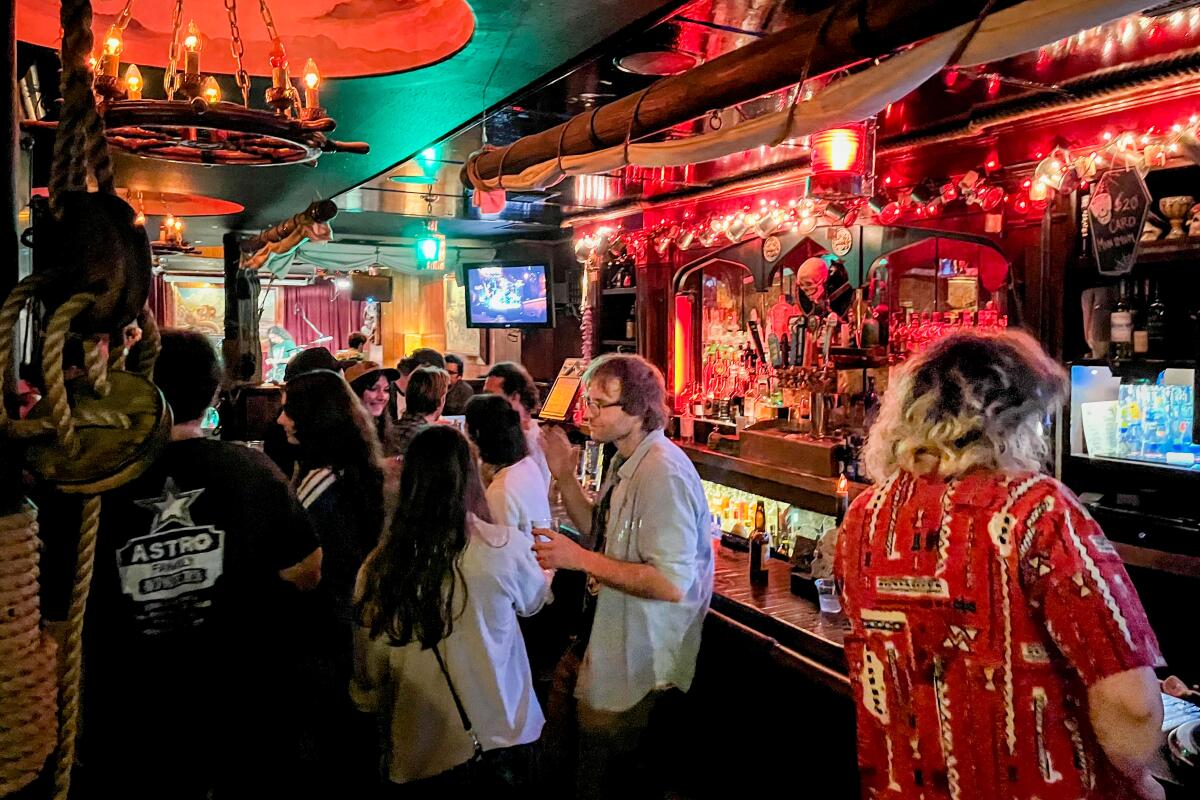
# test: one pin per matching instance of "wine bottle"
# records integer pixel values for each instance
(1121, 326)
(1156, 324)
(1141, 338)
(760, 547)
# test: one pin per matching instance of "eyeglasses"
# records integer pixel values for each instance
(595, 406)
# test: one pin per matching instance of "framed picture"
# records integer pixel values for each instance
(459, 338)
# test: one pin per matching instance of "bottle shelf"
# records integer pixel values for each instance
(619, 342)
(619, 290)
(1168, 251)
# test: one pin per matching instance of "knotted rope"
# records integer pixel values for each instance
(27, 657)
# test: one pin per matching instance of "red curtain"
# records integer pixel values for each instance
(162, 302)
(335, 316)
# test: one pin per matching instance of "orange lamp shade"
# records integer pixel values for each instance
(839, 150)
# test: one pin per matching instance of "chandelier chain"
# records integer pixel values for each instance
(171, 78)
(123, 18)
(238, 49)
(269, 21)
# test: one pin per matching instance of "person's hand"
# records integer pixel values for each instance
(561, 457)
(556, 551)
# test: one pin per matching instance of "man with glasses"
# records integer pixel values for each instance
(460, 391)
(649, 571)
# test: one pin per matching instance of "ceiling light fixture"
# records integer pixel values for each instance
(192, 124)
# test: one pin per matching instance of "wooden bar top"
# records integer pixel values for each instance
(793, 621)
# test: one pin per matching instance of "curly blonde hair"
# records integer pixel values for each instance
(971, 401)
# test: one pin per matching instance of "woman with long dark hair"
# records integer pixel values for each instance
(340, 480)
(437, 610)
(372, 383)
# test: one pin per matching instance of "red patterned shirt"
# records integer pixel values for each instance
(981, 609)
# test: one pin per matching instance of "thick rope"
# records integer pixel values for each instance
(52, 368)
(72, 660)
(96, 364)
(27, 658)
(10, 313)
(151, 344)
(80, 146)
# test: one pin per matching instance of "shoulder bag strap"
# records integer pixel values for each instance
(462, 712)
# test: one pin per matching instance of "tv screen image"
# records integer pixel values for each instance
(507, 296)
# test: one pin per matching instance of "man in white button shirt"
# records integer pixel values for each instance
(650, 569)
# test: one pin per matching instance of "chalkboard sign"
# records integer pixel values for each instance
(1117, 213)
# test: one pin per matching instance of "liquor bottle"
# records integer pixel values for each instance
(631, 326)
(1121, 326)
(1141, 339)
(1156, 324)
(760, 547)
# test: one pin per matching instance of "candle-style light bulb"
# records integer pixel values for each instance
(140, 219)
(110, 58)
(191, 47)
(312, 84)
(211, 91)
(279, 65)
(133, 83)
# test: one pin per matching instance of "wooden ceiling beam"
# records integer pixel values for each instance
(856, 31)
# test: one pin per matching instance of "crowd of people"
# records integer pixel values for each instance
(355, 610)
(369, 626)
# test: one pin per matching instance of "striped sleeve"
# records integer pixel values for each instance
(314, 485)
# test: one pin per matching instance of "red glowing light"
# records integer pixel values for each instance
(839, 150)
(950, 192)
(933, 208)
(278, 57)
(950, 77)
(1025, 184)
(992, 163)
(889, 213)
(991, 198)
(993, 85)
(888, 180)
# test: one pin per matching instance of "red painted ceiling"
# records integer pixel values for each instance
(346, 38)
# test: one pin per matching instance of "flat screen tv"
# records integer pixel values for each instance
(509, 296)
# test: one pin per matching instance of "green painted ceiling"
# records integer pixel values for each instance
(517, 43)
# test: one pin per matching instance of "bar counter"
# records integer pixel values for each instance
(815, 640)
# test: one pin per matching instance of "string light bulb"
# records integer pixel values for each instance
(312, 85)
(110, 59)
(192, 44)
(211, 91)
(133, 83)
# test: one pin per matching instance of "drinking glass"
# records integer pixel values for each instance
(827, 596)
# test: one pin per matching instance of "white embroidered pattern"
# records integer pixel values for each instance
(896, 503)
(942, 694)
(1101, 584)
(877, 503)
(943, 553)
(1001, 528)
(1045, 764)
(1044, 507)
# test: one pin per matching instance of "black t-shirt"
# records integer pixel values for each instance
(188, 617)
